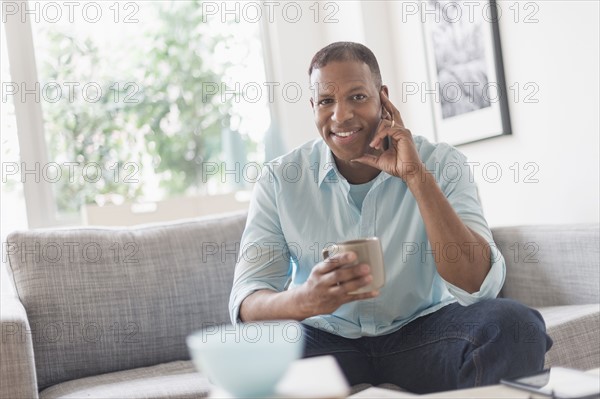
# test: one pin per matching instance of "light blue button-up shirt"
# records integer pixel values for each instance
(301, 204)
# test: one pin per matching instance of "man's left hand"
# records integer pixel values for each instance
(401, 158)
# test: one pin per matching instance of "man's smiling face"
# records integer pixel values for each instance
(347, 107)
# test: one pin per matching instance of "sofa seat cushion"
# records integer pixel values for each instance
(575, 330)
(168, 380)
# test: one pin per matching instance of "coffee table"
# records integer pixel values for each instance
(321, 377)
(488, 392)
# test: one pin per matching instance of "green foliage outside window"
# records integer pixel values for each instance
(153, 124)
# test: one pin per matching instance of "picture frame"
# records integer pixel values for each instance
(465, 69)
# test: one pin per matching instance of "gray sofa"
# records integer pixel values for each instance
(104, 312)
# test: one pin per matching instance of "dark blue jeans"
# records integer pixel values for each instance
(454, 347)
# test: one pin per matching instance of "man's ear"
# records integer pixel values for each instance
(384, 112)
(384, 88)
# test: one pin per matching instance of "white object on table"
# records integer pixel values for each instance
(486, 392)
(375, 392)
(315, 377)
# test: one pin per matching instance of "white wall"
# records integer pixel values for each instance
(558, 135)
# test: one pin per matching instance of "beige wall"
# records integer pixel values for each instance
(558, 135)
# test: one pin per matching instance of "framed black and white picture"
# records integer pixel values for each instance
(464, 61)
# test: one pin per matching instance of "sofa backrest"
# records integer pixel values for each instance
(101, 300)
(551, 265)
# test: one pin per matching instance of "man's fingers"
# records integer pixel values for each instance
(386, 114)
(391, 109)
(356, 283)
(381, 133)
(395, 134)
(335, 261)
(366, 295)
(358, 297)
(367, 159)
(348, 279)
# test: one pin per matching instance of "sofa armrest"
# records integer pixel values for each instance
(551, 265)
(17, 365)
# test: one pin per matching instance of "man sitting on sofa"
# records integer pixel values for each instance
(435, 325)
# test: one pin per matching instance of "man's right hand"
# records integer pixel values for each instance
(320, 294)
(330, 283)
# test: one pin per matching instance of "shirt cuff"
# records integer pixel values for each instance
(238, 297)
(490, 288)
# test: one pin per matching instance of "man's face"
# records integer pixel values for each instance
(346, 106)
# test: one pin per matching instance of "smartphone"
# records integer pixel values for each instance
(386, 143)
(387, 140)
(559, 382)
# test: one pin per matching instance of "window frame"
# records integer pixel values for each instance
(39, 200)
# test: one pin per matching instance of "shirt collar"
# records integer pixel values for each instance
(327, 165)
(328, 168)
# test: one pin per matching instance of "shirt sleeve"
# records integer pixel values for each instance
(264, 260)
(458, 184)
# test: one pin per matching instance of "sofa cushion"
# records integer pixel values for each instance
(551, 265)
(169, 380)
(575, 331)
(100, 300)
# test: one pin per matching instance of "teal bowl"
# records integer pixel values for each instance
(247, 359)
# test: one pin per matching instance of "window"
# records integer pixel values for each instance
(142, 101)
(13, 216)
